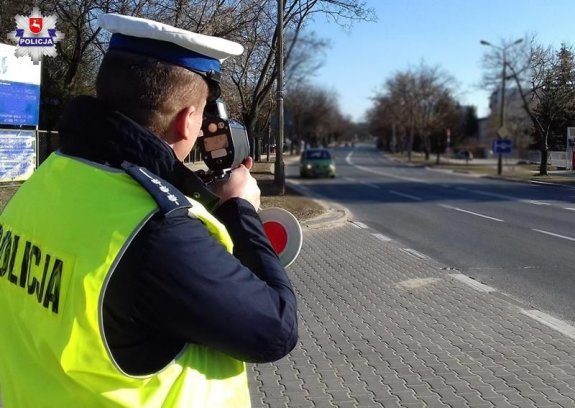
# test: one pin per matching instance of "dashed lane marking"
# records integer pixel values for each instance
(494, 195)
(554, 235)
(506, 197)
(411, 197)
(470, 212)
(370, 185)
(535, 202)
(383, 173)
(360, 224)
(354, 181)
(485, 193)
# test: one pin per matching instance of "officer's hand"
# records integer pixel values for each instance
(240, 184)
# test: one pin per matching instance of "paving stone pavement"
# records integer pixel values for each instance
(382, 327)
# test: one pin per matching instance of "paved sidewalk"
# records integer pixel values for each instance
(382, 326)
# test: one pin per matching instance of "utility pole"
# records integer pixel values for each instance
(279, 166)
(502, 113)
(503, 51)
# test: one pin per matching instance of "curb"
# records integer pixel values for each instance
(335, 214)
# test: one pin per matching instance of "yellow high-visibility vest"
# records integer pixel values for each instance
(61, 236)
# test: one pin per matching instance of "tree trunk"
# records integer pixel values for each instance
(409, 145)
(544, 156)
(427, 146)
(249, 123)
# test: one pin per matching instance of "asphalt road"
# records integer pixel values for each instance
(516, 237)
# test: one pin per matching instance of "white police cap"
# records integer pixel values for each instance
(197, 52)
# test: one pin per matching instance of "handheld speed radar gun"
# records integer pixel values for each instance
(224, 145)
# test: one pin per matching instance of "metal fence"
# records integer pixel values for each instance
(561, 160)
(46, 142)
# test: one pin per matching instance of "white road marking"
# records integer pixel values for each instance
(383, 173)
(569, 208)
(382, 237)
(470, 212)
(351, 180)
(506, 197)
(553, 234)
(472, 282)
(415, 180)
(494, 195)
(411, 197)
(535, 202)
(552, 322)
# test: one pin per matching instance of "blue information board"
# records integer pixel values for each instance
(19, 103)
(502, 146)
(17, 154)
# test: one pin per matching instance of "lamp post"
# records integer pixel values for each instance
(503, 51)
(279, 166)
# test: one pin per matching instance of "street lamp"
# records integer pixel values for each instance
(503, 51)
(279, 166)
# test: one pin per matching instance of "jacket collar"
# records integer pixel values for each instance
(90, 130)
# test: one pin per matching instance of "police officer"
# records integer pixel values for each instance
(124, 281)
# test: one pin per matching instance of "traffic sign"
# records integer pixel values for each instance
(502, 146)
(502, 132)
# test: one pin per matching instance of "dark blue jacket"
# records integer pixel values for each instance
(176, 284)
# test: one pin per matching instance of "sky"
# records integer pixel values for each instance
(440, 33)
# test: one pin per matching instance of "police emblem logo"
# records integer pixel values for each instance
(35, 36)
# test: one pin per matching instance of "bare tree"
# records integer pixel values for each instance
(433, 101)
(251, 22)
(254, 74)
(385, 119)
(545, 79)
(11, 8)
(315, 114)
(75, 56)
(401, 91)
(305, 60)
(419, 100)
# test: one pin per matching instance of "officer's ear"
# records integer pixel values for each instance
(185, 123)
(176, 130)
